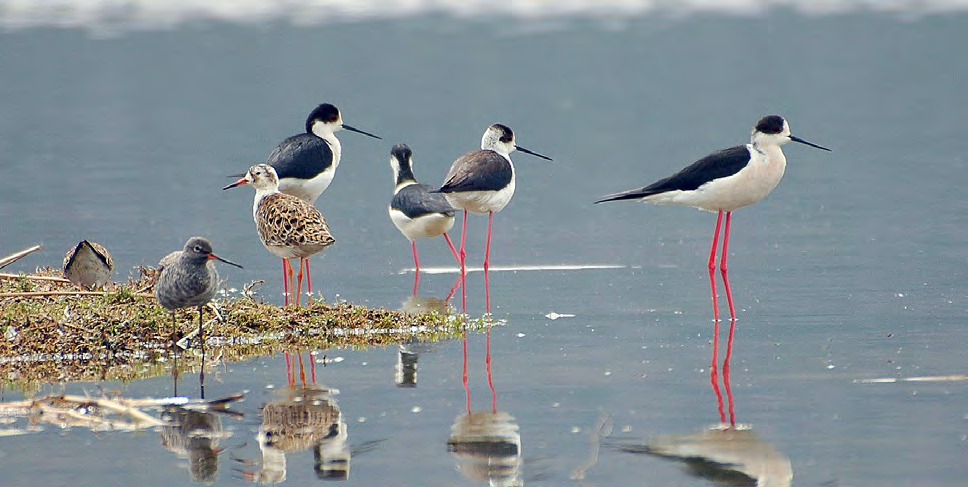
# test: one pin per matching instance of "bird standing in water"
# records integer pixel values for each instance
(723, 182)
(482, 181)
(415, 209)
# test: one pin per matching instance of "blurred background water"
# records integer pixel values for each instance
(119, 122)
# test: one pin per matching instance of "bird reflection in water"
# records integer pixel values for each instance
(194, 435)
(487, 443)
(306, 417)
(726, 454)
(722, 455)
(405, 370)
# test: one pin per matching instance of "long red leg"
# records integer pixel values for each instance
(299, 278)
(452, 249)
(722, 270)
(309, 281)
(732, 321)
(285, 280)
(713, 374)
(487, 254)
(463, 266)
(416, 265)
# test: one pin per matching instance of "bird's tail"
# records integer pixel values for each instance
(634, 194)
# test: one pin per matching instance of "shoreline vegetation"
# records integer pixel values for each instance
(53, 331)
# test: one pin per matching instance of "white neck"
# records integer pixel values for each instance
(772, 153)
(330, 137)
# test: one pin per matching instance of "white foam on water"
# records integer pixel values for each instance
(112, 16)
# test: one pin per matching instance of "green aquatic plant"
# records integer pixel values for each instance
(56, 332)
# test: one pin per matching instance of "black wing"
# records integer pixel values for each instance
(301, 156)
(480, 170)
(417, 200)
(717, 165)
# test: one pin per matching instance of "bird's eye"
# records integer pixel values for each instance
(198, 249)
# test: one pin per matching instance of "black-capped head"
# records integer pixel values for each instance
(770, 124)
(402, 152)
(506, 134)
(774, 130)
(325, 113)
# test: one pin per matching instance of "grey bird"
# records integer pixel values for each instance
(188, 278)
(88, 264)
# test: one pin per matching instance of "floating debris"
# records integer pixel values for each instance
(930, 378)
(554, 316)
(99, 413)
(14, 257)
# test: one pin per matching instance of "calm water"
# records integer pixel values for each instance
(854, 268)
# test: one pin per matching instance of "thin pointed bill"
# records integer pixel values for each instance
(526, 151)
(811, 144)
(240, 182)
(354, 129)
(215, 257)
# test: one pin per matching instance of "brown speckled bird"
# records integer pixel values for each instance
(288, 226)
(88, 264)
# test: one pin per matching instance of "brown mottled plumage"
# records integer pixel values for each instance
(288, 226)
(88, 264)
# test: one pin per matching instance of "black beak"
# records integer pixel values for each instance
(811, 144)
(215, 257)
(526, 151)
(354, 129)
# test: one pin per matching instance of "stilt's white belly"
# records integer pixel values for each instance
(429, 225)
(482, 202)
(308, 189)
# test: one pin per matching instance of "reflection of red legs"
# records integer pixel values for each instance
(713, 374)
(291, 369)
(302, 370)
(726, 384)
(312, 367)
(467, 389)
(416, 266)
(290, 374)
(463, 265)
(490, 383)
(487, 255)
(453, 289)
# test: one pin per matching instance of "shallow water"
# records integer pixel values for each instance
(852, 269)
